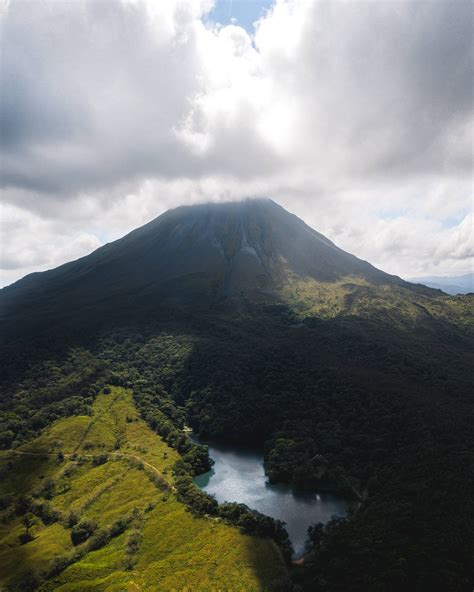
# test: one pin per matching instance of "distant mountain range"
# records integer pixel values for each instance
(461, 284)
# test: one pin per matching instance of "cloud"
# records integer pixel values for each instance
(355, 115)
(30, 243)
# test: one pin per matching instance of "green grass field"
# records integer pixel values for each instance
(352, 296)
(175, 550)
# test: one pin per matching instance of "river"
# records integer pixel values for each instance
(238, 476)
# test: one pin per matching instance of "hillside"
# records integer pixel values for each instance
(76, 472)
(245, 324)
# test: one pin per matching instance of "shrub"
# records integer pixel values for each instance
(30, 581)
(72, 519)
(5, 501)
(25, 537)
(46, 512)
(199, 502)
(58, 564)
(133, 544)
(82, 531)
(23, 504)
(100, 460)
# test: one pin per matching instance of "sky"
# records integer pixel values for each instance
(354, 115)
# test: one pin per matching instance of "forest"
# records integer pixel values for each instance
(378, 412)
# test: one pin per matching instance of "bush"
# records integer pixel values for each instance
(5, 501)
(25, 537)
(99, 540)
(30, 581)
(82, 531)
(58, 564)
(199, 502)
(48, 489)
(72, 519)
(46, 512)
(100, 460)
(252, 522)
(23, 504)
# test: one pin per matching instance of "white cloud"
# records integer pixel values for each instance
(30, 243)
(354, 115)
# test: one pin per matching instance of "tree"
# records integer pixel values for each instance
(29, 520)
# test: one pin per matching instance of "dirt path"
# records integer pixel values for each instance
(116, 455)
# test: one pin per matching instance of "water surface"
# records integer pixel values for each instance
(238, 476)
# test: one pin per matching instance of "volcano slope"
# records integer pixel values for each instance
(248, 325)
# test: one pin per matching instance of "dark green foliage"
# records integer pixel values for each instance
(58, 564)
(348, 405)
(81, 531)
(6, 501)
(100, 459)
(197, 457)
(48, 489)
(23, 504)
(28, 521)
(30, 581)
(49, 390)
(413, 533)
(252, 522)
(133, 544)
(45, 511)
(199, 502)
(72, 519)
(372, 408)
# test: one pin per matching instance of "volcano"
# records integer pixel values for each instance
(189, 256)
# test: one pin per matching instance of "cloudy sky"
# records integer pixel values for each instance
(356, 116)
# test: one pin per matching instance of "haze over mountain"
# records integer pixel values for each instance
(462, 284)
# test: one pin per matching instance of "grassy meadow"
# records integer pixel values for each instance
(111, 470)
